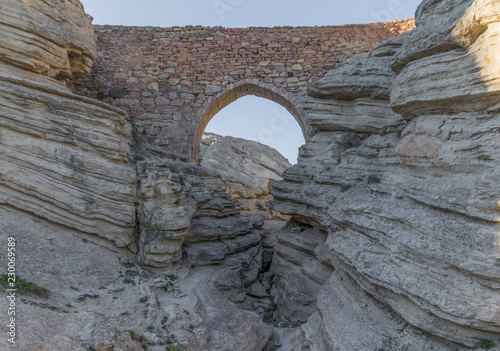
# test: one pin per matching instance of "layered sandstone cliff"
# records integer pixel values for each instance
(394, 241)
(402, 176)
(65, 158)
(215, 210)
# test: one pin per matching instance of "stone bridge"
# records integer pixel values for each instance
(172, 81)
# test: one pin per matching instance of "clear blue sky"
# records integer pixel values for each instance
(249, 117)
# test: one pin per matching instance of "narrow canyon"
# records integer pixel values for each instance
(136, 230)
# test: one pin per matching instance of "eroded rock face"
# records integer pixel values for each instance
(408, 199)
(100, 300)
(215, 210)
(64, 158)
(249, 168)
(52, 38)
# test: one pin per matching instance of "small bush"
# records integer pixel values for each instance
(23, 286)
(134, 336)
(174, 348)
(87, 296)
(100, 95)
(373, 179)
(486, 344)
(171, 277)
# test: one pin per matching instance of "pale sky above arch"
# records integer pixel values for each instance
(249, 117)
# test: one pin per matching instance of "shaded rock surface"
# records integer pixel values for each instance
(408, 199)
(215, 210)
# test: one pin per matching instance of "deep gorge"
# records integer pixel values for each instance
(149, 235)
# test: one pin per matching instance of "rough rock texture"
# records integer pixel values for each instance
(215, 209)
(409, 199)
(64, 158)
(51, 37)
(299, 272)
(248, 168)
(99, 301)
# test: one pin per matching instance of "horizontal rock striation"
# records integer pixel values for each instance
(215, 210)
(64, 158)
(53, 38)
(408, 198)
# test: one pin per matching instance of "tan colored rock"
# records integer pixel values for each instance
(51, 38)
(249, 168)
(66, 159)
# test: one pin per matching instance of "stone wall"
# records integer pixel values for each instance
(172, 81)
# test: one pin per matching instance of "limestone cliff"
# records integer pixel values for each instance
(64, 158)
(52, 38)
(394, 237)
(402, 177)
(215, 209)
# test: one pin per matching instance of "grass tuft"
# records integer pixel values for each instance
(23, 286)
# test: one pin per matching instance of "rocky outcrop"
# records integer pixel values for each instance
(51, 38)
(298, 270)
(98, 300)
(248, 168)
(65, 158)
(212, 211)
(408, 198)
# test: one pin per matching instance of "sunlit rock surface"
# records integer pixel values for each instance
(64, 158)
(409, 200)
(51, 38)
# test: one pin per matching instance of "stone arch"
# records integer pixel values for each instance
(249, 87)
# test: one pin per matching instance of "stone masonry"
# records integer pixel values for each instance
(172, 81)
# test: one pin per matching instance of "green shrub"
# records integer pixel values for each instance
(486, 344)
(23, 286)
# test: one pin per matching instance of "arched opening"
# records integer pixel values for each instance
(244, 88)
(261, 120)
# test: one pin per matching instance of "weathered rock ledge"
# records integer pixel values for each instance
(402, 175)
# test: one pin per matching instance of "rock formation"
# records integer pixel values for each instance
(402, 175)
(214, 210)
(65, 158)
(392, 240)
(51, 38)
